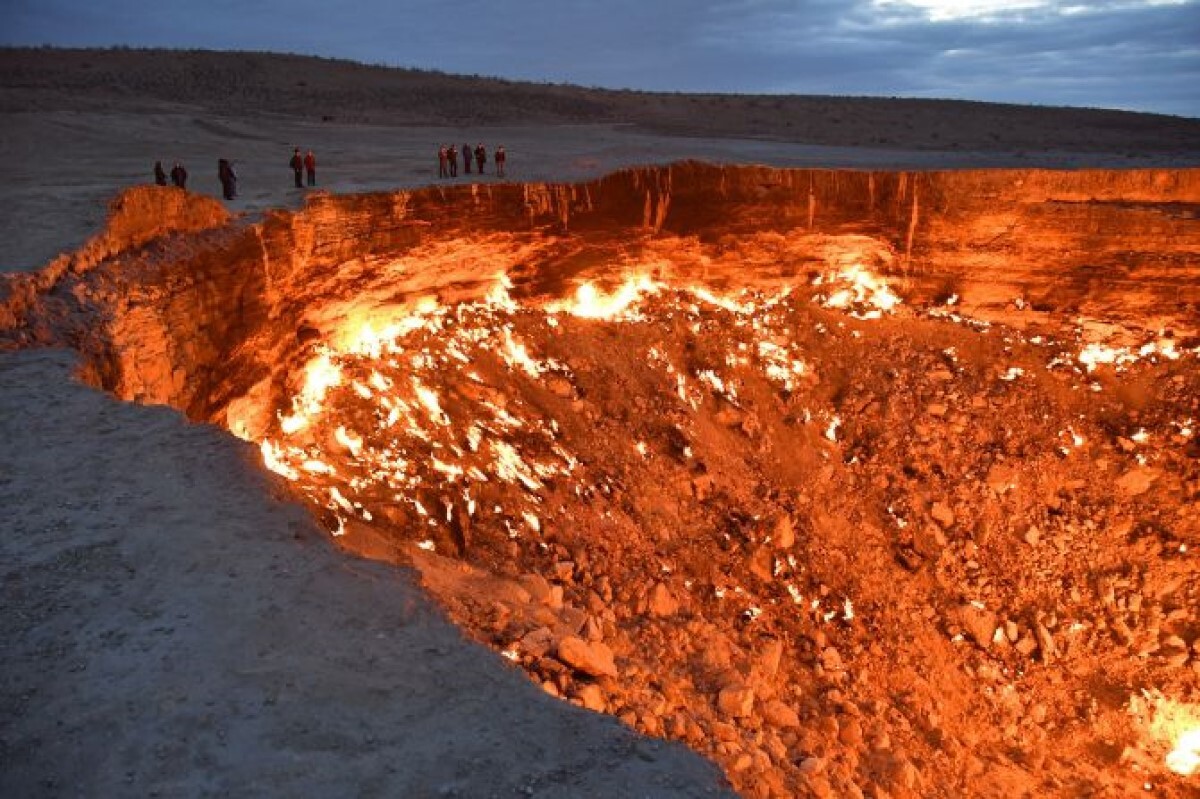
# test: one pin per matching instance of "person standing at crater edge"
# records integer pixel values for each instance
(466, 154)
(501, 159)
(480, 156)
(179, 175)
(160, 174)
(452, 160)
(228, 178)
(297, 165)
(310, 167)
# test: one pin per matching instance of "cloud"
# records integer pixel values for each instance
(1136, 54)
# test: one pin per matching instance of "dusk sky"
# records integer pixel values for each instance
(1140, 55)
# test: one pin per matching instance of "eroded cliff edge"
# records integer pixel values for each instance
(177, 303)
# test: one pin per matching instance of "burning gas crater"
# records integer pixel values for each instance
(465, 430)
(414, 421)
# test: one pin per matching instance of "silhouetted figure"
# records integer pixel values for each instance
(160, 174)
(228, 177)
(501, 157)
(443, 167)
(466, 154)
(310, 166)
(452, 160)
(179, 176)
(297, 165)
(480, 156)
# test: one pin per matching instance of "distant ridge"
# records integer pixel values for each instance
(241, 83)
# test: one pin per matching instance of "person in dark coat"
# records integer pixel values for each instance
(480, 156)
(501, 157)
(452, 160)
(228, 178)
(179, 176)
(160, 174)
(466, 154)
(310, 166)
(297, 165)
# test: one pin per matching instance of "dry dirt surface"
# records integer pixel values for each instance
(838, 546)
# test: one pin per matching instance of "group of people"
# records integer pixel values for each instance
(448, 159)
(302, 164)
(304, 167)
(179, 175)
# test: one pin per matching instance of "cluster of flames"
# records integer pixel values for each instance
(1171, 726)
(370, 429)
(415, 417)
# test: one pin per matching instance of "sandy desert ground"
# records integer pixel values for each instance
(173, 625)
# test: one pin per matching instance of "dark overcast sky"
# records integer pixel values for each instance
(1135, 54)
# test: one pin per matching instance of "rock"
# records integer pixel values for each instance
(762, 564)
(723, 731)
(831, 660)
(537, 586)
(592, 630)
(942, 514)
(772, 656)
(1045, 643)
(662, 602)
(936, 409)
(591, 697)
(783, 535)
(818, 786)
(595, 659)
(929, 540)
(560, 387)
(736, 701)
(812, 765)
(851, 733)
(780, 714)
(1001, 478)
(1033, 536)
(538, 642)
(1121, 631)
(979, 624)
(1137, 481)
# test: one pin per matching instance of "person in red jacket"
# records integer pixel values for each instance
(310, 166)
(443, 167)
(501, 157)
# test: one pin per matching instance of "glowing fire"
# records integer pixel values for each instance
(415, 406)
(590, 303)
(1170, 726)
(1185, 757)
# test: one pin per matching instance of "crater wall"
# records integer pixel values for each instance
(176, 302)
